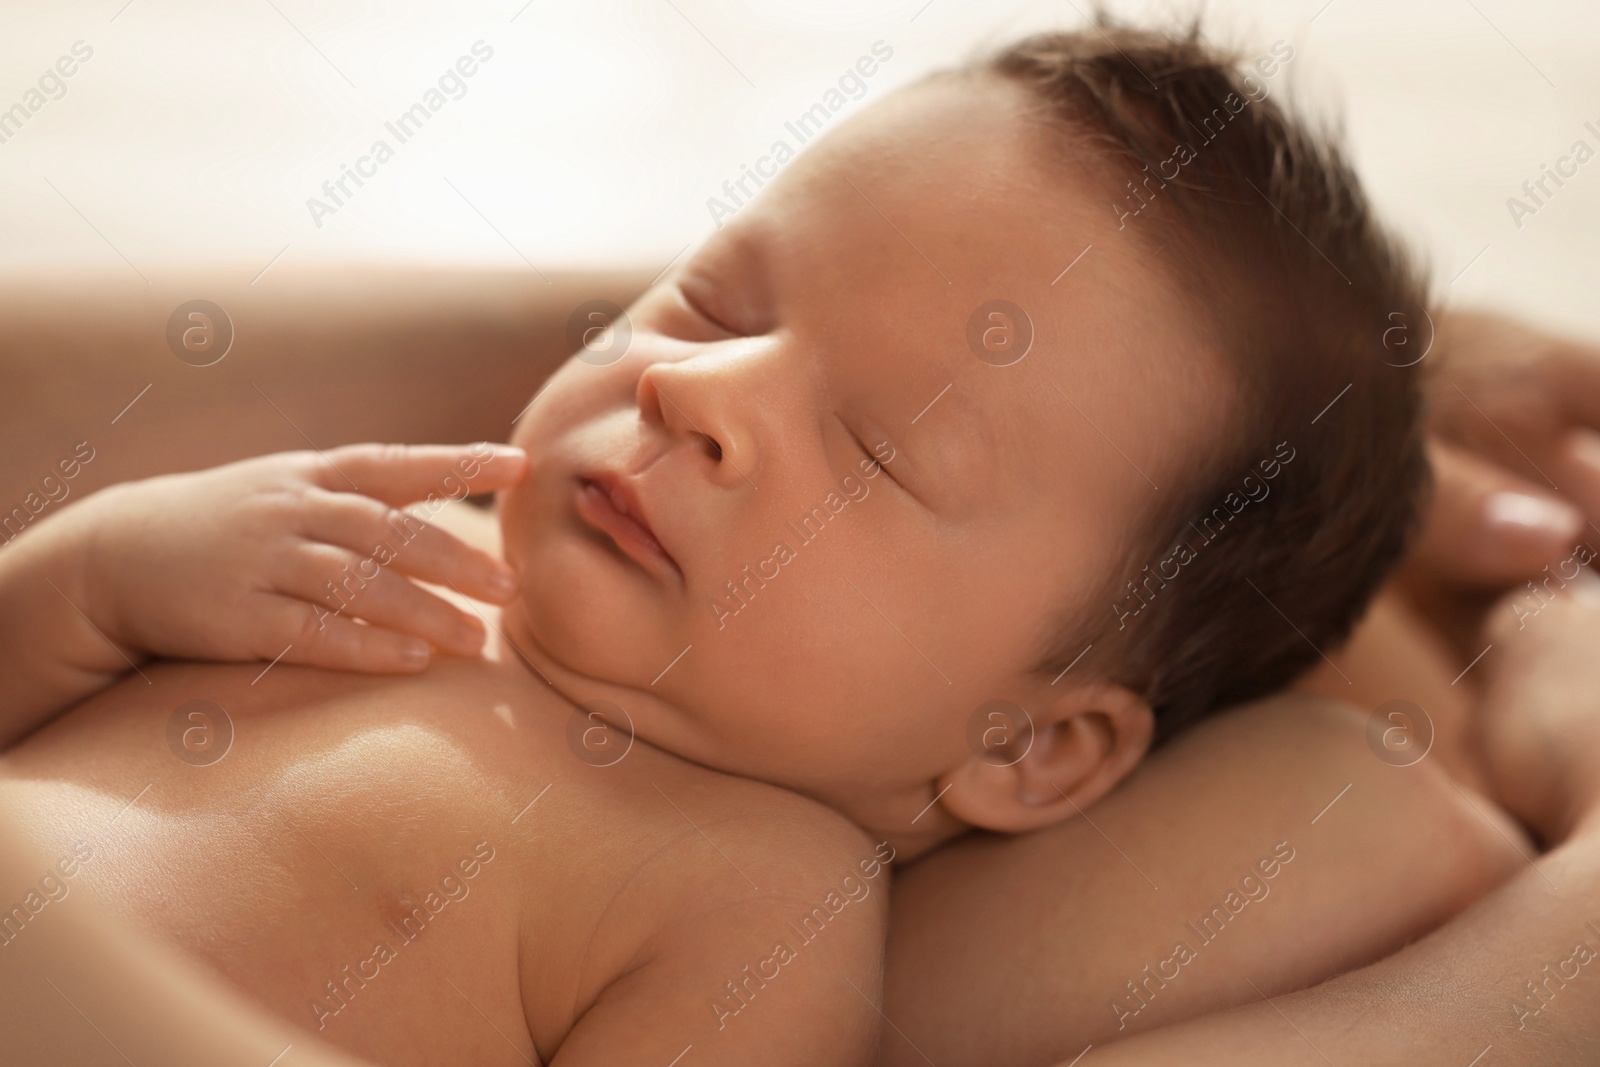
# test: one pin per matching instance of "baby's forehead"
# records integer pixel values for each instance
(924, 243)
(970, 140)
(953, 186)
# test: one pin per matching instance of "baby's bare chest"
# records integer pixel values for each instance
(412, 869)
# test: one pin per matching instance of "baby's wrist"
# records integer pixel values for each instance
(84, 575)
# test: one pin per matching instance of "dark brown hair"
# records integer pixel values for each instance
(1262, 226)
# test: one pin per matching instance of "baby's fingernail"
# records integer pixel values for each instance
(414, 654)
(1513, 510)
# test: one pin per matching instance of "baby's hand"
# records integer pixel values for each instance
(299, 555)
(1540, 713)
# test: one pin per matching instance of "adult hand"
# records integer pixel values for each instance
(1513, 416)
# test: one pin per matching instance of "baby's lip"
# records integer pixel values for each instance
(611, 505)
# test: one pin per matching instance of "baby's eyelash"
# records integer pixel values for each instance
(699, 309)
(876, 462)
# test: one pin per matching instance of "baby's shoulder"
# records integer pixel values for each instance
(750, 911)
(732, 837)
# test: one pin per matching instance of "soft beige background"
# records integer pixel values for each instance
(595, 135)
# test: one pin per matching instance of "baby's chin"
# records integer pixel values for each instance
(614, 706)
(567, 633)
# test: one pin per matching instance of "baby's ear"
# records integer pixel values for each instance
(1081, 742)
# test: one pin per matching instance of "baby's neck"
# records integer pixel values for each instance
(911, 836)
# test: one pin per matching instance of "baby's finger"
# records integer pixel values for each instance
(338, 585)
(401, 474)
(389, 537)
(338, 643)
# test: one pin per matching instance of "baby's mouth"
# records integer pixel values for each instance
(611, 506)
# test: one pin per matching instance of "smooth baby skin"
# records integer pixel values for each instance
(861, 532)
(529, 902)
(363, 848)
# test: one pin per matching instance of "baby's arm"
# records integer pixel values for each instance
(272, 557)
(764, 949)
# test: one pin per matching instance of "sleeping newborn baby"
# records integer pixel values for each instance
(936, 487)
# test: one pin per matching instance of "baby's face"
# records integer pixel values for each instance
(800, 531)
